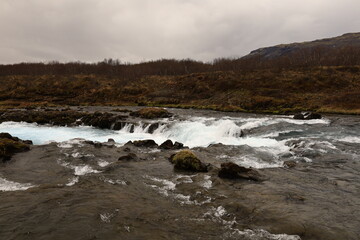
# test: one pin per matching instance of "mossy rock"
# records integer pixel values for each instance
(187, 160)
(150, 113)
(9, 147)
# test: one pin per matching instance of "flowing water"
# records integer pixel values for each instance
(65, 187)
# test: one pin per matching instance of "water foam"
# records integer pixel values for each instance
(6, 185)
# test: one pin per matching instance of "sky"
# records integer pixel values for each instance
(142, 30)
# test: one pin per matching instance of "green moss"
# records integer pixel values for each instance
(9, 147)
(187, 160)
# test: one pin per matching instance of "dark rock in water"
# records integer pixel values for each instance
(121, 124)
(62, 118)
(168, 144)
(89, 142)
(145, 143)
(233, 171)
(10, 145)
(307, 116)
(289, 164)
(299, 116)
(153, 127)
(187, 160)
(128, 157)
(110, 140)
(129, 143)
(98, 144)
(7, 135)
(313, 116)
(151, 113)
(178, 145)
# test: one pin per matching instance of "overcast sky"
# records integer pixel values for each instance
(139, 30)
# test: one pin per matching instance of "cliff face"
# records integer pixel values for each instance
(346, 40)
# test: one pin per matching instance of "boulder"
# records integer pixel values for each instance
(168, 144)
(187, 160)
(150, 113)
(178, 145)
(231, 170)
(299, 116)
(313, 116)
(144, 143)
(10, 145)
(307, 116)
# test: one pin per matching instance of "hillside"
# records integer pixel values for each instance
(282, 50)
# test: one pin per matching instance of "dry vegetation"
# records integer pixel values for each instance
(318, 79)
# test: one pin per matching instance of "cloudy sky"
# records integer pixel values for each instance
(139, 30)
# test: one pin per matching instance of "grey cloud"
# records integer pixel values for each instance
(137, 30)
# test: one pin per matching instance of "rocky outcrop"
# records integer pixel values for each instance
(151, 113)
(187, 160)
(307, 116)
(168, 144)
(10, 145)
(63, 118)
(231, 170)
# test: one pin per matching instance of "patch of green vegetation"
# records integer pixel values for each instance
(187, 160)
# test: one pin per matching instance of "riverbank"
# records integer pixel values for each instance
(331, 89)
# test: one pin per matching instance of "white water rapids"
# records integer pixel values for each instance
(194, 132)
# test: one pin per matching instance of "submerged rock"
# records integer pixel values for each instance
(187, 160)
(128, 157)
(10, 145)
(151, 113)
(233, 171)
(289, 164)
(307, 116)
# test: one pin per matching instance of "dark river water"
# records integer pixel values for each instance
(65, 188)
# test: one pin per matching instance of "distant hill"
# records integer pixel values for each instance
(282, 50)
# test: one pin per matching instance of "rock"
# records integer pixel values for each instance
(151, 113)
(10, 145)
(298, 116)
(233, 171)
(110, 140)
(168, 144)
(153, 127)
(313, 116)
(89, 142)
(307, 116)
(63, 118)
(289, 164)
(128, 157)
(145, 143)
(178, 145)
(187, 160)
